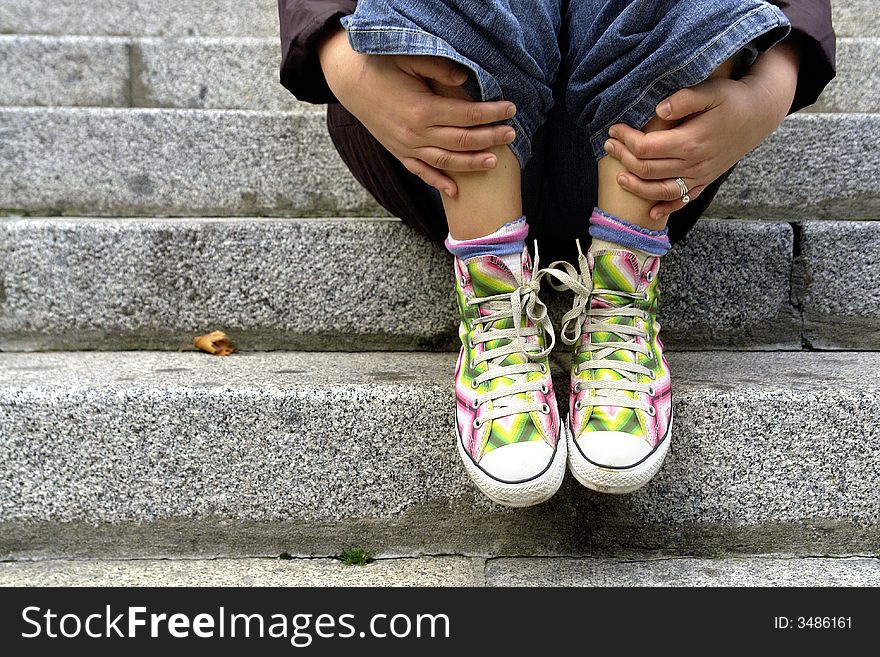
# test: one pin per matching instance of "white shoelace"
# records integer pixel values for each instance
(583, 318)
(523, 300)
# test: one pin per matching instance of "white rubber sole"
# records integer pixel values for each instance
(528, 493)
(615, 481)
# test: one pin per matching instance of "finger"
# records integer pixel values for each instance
(466, 113)
(646, 169)
(652, 190)
(685, 102)
(430, 175)
(665, 208)
(470, 139)
(445, 71)
(650, 145)
(452, 161)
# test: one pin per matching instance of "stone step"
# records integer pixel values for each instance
(199, 73)
(853, 18)
(174, 18)
(841, 305)
(257, 18)
(424, 571)
(113, 162)
(173, 162)
(75, 283)
(236, 73)
(684, 570)
(144, 454)
(857, 85)
(77, 71)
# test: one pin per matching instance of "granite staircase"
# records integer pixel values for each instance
(157, 183)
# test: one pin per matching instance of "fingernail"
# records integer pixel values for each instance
(609, 147)
(511, 111)
(613, 133)
(509, 136)
(489, 162)
(449, 191)
(622, 180)
(664, 109)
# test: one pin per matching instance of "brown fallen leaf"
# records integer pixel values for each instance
(216, 344)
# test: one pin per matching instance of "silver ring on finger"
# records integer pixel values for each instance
(684, 191)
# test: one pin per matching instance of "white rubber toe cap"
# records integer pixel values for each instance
(613, 449)
(518, 461)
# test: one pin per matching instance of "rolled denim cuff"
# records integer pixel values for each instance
(760, 28)
(370, 39)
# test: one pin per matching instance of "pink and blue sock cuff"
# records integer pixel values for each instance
(607, 227)
(510, 238)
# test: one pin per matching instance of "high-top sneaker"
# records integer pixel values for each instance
(507, 422)
(620, 413)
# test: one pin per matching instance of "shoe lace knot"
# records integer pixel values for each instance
(596, 313)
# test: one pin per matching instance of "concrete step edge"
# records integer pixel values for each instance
(770, 285)
(679, 570)
(299, 284)
(228, 72)
(111, 162)
(186, 454)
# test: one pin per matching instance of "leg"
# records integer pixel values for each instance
(507, 421)
(486, 200)
(619, 202)
(511, 50)
(635, 55)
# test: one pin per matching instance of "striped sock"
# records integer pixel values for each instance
(609, 228)
(506, 243)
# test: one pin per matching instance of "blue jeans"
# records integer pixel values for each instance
(618, 58)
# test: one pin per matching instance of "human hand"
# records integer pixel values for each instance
(722, 121)
(428, 133)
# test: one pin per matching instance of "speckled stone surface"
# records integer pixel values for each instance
(856, 18)
(300, 284)
(789, 177)
(268, 283)
(173, 162)
(424, 571)
(839, 284)
(760, 440)
(203, 163)
(258, 18)
(242, 73)
(857, 85)
(64, 71)
(685, 571)
(218, 73)
(163, 72)
(753, 570)
(728, 284)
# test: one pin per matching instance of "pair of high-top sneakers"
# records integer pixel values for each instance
(508, 428)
